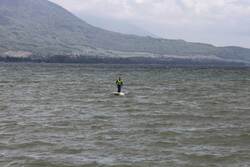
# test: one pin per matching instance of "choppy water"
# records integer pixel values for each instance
(54, 115)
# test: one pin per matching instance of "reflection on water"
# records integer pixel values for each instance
(65, 115)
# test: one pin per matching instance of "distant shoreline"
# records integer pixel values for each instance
(166, 62)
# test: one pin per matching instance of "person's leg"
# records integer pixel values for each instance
(119, 88)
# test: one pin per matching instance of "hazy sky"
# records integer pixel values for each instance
(219, 22)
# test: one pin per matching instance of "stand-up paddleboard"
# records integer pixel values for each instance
(119, 94)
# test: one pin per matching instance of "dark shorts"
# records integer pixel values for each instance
(119, 87)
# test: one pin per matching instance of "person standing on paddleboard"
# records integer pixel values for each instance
(119, 84)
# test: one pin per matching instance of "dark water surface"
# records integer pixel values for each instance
(56, 115)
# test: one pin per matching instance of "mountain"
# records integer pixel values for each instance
(115, 25)
(40, 30)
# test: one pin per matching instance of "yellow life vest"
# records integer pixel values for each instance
(119, 82)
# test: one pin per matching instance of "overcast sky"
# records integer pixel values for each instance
(219, 22)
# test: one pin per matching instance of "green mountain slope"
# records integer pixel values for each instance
(46, 29)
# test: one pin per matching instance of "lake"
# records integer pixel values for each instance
(63, 115)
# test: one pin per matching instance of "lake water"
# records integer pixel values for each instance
(58, 115)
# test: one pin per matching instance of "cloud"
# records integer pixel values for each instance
(167, 9)
(195, 17)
